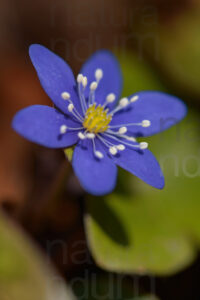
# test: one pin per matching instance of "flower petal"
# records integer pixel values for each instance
(112, 77)
(41, 124)
(161, 109)
(55, 76)
(142, 164)
(97, 176)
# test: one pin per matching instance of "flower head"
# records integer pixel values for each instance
(90, 114)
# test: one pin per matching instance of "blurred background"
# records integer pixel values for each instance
(143, 244)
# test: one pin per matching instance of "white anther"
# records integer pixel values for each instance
(63, 129)
(123, 102)
(110, 98)
(134, 98)
(143, 145)
(65, 95)
(84, 81)
(98, 74)
(146, 123)
(70, 107)
(122, 130)
(113, 150)
(93, 86)
(90, 135)
(120, 147)
(81, 135)
(98, 154)
(79, 78)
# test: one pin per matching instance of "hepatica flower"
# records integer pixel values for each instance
(90, 114)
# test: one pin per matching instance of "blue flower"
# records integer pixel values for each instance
(88, 114)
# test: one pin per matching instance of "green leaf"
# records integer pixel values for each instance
(179, 52)
(69, 153)
(146, 230)
(24, 274)
(138, 75)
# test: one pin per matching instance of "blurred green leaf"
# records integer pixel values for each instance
(24, 274)
(138, 75)
(69, 153)
(147, 230)
(179, 51)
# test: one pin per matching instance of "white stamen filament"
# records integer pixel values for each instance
(93, 87)
(81, 82)
(144, 123)
(64, 128)
(119, 140)
(97, 153)
(74, 112)
(66, 96)
(124, 102)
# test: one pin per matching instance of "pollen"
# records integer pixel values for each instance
(96, 119)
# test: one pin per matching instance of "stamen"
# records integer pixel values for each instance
(113, 150)
(122, 130)
(75, 112)
(146, 123)
(108, 144)
(81, 135)
(143, 145)
(84, 81)
(109, 99)
(98, 154)
(98, 74)
(119, 140)
(70, 107)
(121, 147)
(123, 102)
(90, 135)
(134, 99)
(80, 78)
(65, 95)
(63, 129)
(93, 87)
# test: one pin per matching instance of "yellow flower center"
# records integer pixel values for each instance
(96, 119)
